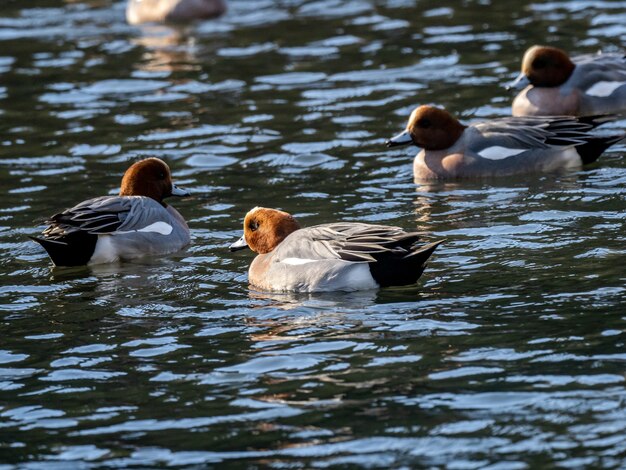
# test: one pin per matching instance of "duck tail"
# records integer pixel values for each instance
(392, 271)
(424, 252)
(76, 251)
(594, 146)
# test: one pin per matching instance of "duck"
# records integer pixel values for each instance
(556, 84)
(172, 11)
(499, 147)
(134, 224)
(340, 256)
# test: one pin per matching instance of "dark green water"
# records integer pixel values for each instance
(510, 352)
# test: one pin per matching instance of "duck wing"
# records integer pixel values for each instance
(349, 241)
(105, 215)
(531, 132)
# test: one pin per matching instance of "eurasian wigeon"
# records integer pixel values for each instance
(111, 228)
(499, 147)
(175, 11)
(342, 256)
(581, 86)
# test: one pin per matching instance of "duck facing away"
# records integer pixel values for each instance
(580, 86)
(500, 147)
(111, 228)
(173, 11)
(342, 256)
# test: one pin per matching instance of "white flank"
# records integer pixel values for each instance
(602, 89)
(499, 153)
(359, 278)
(297, 261)
(104, 251)
(158, 227)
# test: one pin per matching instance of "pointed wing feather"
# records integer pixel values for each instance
(355, 242)
(105, 215)
(539, 132)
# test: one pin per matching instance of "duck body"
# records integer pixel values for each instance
(172, 11)
(342, 256)
(581, 86)
(500, 147)
(113, 228)
(134, 224)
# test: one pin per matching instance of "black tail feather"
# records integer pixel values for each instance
(74, 249)
(391, 269)
(591, 150)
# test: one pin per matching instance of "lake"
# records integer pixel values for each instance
(508, 354)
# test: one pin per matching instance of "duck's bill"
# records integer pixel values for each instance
(403, 138)
(239, 244)
(519, 83)
(179, 192)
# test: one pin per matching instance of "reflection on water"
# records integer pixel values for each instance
(509, 352)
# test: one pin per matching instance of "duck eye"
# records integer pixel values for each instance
(539, 63)
(424, 122)
(161, 175)
(254, 225)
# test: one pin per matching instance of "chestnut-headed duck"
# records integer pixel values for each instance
(499, 147)
(581, 86)
(112, 228)
(174, 11)
(342, 256)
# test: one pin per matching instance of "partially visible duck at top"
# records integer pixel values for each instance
(134, 224)
(340, 256)
(499, 147)
(173, 11)
(580, 86)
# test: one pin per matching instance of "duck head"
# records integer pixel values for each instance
(430, 128)
(151, 178)
(264, 229)
(544, 66)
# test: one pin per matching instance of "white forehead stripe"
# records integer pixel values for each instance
(297, 261)
(499, 153)
(602, 89)
(158, 227)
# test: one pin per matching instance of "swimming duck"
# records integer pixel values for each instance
(111, 228)
(176, 11)
(499, 147)
(581, 86)
(340, 256)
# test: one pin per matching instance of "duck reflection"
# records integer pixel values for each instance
(461, 202)
(146, 284)
(166, 49)
(317, 301)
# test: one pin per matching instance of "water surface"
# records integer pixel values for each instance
(509, 353)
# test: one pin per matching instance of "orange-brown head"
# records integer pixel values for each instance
(546, 66)
(430, 128)
(264, 229)
(152, 178)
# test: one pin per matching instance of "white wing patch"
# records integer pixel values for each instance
(499, 153)
(297, 261)
(603, 89)
(158, 227)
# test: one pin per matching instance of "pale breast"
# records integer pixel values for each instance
(540, 101)
(438, 164)
(258, 271)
